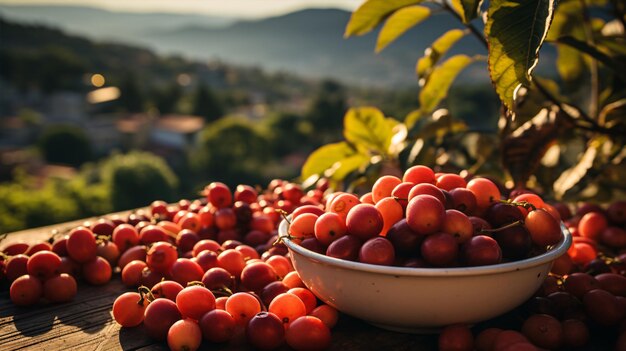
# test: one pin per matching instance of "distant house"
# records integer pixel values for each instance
(168, 136)
(176, 131)
(134, 130)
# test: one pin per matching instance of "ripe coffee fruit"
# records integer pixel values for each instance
(364, 221)
(425, 214)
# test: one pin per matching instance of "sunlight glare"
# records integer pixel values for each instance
(97, 80)
(103, 95)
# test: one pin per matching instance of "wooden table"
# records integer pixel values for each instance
(86, 323)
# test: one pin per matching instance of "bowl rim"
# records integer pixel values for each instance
(552, 254)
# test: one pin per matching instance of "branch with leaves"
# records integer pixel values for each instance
(591, 54)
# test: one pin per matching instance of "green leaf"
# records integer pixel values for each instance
(568, 19)
(440, 81)
(326, 157)
(595, 53)
(569, 63)
(515, 30)
(340, 170)
(468, 9)
(399, 22)
(371, 13)
(367, 128)
(436, 51)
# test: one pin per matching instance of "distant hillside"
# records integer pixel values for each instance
(308, 42)
(37, 56)
(101, 24)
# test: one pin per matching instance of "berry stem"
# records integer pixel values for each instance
(280, 238)
(284, 214)
(222, 291)
(525, 204)
(145, 293)
(510, 225)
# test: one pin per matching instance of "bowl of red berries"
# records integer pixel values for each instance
(426, 250)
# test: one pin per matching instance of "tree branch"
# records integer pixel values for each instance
(591, 124)
(593, 69)
(469, 26)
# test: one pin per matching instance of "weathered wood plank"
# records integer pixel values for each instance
(86, 321)
(86, 324)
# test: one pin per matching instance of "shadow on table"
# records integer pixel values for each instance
(354, 334)
(90, 311)
(137, 337)
(29, 326)
(88, 319)
(28, 320)
(39, 319)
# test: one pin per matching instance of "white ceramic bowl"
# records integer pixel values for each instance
(421, 299)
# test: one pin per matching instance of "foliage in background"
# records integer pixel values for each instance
(327, 109)
(65, 144)
(132, 99)
(24, 204)
(565, 137)
(288, 132)
(137, 178)
(206, 104)
(375, 144)
(117, 183)
(232, 149)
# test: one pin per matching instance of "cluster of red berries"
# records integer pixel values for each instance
(584, 297)
(428, 219)
(215, 270)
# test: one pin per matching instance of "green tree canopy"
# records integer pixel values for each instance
(65, 144)
(131, 98)
(24, 204)
(234, 150)
(327, 110)
(167, 99)
(137, 178)
(288, 133)
(206, 104)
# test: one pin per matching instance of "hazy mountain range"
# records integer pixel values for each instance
(308, 42)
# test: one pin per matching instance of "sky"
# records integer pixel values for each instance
(227, 8)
